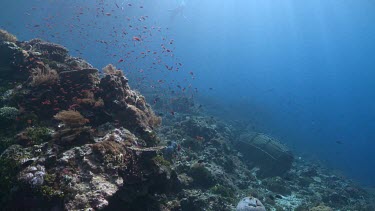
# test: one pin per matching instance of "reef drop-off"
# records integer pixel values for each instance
(71, 137)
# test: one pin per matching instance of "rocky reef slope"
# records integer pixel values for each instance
(216, 170)
(70, 137)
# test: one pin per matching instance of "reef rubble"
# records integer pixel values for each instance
(75, 138)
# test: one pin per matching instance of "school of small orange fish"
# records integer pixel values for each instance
(116, 32)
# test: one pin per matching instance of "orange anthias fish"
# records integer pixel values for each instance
(136, 38)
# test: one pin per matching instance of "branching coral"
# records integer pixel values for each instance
(6, 36)
(71, 118)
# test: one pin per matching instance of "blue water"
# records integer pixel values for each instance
(302, 71)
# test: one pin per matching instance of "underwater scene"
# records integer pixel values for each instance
(187, 105)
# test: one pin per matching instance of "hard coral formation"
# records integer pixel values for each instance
(6, 36)
(93, 156)
(123, 103)
(112, 70)
(50, 51)
(250, 204)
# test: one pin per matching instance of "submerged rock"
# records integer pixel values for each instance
(33, 175)
(51, 51)
(250, 204)
(262, 151)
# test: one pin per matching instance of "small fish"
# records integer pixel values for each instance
(172, 113)
(121, 60)
(339, 142)
(136, 38)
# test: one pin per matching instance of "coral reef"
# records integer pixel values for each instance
(112, 70)
(6, 36)
(70, 145)
(73, 139)
(44, 76)
(71, 118)
(215, 173)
